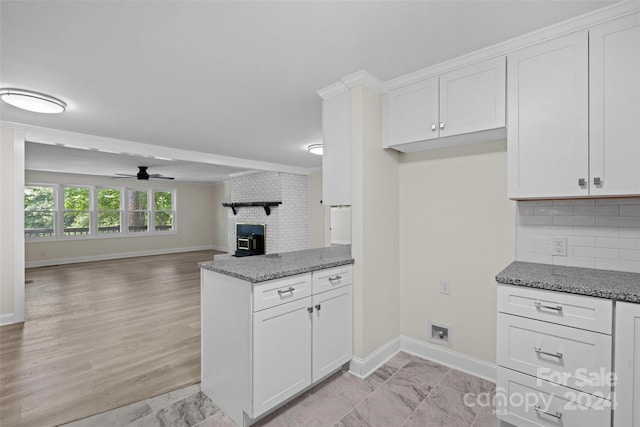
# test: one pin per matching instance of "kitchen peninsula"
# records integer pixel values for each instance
(273, 326)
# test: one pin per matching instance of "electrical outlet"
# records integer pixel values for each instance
(445, 287)
(559, 246)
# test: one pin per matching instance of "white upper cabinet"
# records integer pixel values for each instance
(548, 118)
(574, 114)
(336, 160)
(461, 102)
(614, 66)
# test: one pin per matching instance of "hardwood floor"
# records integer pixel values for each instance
(101, 335)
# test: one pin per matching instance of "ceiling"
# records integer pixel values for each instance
(231, 78)
(52, 158)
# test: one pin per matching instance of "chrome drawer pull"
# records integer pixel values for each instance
(286, 291)
(548, 307)
(539, 410)
(332, 279)
(539, 351)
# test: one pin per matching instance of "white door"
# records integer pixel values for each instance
(332, 337)
(472, 98)
(281, 353)
(548, 118)
(614, 64)
(336, 160)
(627, 357)
(411, 113)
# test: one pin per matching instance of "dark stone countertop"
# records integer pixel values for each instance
(261, 268)
(616, 285)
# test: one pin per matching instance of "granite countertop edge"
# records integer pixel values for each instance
(277, 275)
(614, 285)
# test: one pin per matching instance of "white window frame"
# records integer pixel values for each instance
(173, 209)
(96, 202)
(58, 213)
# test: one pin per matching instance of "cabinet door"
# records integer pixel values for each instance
(332, 337)
(472, 98)
(336, 160)
(547, 137)
(627, 363)
(614, 64)
(281, 354)
(411, 113)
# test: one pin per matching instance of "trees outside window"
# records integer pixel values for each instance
(76, 217)
(164, 213)
(137, 209)
(109, 213)
(39, 211)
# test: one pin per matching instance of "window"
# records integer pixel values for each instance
(163, 210)
(54, 211)
(137, 211)
(76, 216)
(109, 213)
(39, 211)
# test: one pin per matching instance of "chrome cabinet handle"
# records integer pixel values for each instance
(548, 307)
(441, 125)
(332, 279)
(286, 291)
(539, 410)
(318, 307)
(434, 128)
(582, 182)
(597, 181)
(540, 351)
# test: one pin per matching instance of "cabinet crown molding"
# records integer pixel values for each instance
(363, 78)
(332, 90)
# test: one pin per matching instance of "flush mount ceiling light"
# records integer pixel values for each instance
(32, 101)
(315, 149)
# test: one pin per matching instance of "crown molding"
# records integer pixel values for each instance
(332, 90)
(577, 23)
(117, 146)
(363, 78)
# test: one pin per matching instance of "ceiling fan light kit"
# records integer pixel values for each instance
(32, 101)
(143, 175)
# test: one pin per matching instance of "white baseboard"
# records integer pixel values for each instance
(105, 257)
(453, 359)
(442, 355)
(6, 319)
(220, 248)
(364, 367)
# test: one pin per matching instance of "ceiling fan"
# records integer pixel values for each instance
(143, 175)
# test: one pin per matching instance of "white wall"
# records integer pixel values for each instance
(341, 225)
(221, 193)
(455, 224)
(603, 233)
(195, 220)
(375, 220)
(317, 210)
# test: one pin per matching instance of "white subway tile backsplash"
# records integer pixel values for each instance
(630, 210)
(601, 233)
(617, 242)
(584, 251)
(574, 220)
(596, 210)
(629, 255)
(618, 221)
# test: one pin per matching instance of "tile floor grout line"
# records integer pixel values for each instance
(427, 396)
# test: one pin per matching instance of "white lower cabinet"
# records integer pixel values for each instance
(627, 359)
(264, 343)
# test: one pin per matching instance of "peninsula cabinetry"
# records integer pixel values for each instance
(573, 117)
(627, 359)
(461, 102)
(265, 342)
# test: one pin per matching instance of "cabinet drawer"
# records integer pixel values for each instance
(592, 314)
(567, 356)
(276, 292)
(521, 400)
(331, 278)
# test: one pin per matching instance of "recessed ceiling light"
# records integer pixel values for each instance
(32, 101)
(315, 149)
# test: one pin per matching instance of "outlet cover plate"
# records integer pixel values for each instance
(559, 246)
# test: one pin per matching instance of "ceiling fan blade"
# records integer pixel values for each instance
(161, 177)
(125, 175)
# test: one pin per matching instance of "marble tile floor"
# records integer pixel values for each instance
(407, 391)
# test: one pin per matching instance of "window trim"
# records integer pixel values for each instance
(58, 212)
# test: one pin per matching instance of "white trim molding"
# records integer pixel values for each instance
(332, 90)
(362, 368)
(48, 136)
(6, 319)
(105, 257)
(18, 227)
(363, 78)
